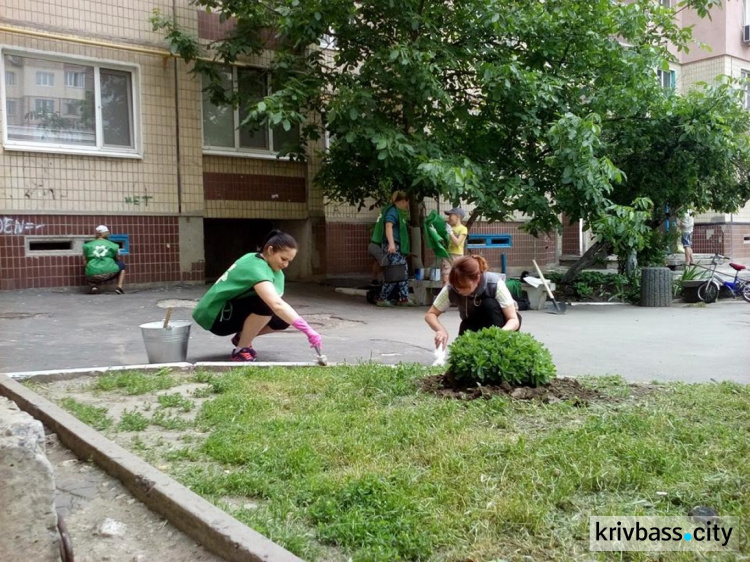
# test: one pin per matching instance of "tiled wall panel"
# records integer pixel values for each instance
(154, 250)
(346, 248)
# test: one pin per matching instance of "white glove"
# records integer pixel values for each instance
(440, 356)
(448, 228)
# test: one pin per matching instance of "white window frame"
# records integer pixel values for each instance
(72, 79)
(40, 105)
(10, 78)
(746, 87)
(243, 152)
(11, 107)
(672, 79)
(44, 78)
(136, 151)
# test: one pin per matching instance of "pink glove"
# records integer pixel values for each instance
(312, 336)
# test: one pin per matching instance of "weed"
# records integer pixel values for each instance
(134, 382)
(175, 400)
(94, 416)
(132, 421)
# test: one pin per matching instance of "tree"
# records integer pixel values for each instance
(510, 105)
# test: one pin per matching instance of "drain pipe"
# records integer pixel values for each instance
(178, 153)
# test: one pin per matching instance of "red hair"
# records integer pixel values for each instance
(466, 270)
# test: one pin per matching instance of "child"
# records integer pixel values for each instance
(457, 233)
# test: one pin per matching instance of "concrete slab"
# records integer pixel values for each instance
(63, 329)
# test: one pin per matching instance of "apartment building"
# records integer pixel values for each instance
(101, 125)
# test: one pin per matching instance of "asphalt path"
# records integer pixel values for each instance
(61, 329)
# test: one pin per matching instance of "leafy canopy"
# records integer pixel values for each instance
(544, 107)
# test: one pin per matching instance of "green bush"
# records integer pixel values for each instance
(493, 356)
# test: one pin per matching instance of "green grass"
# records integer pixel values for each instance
(132, 421)
(135, 383)
(354, 462)
(94, 416)
(175, 400)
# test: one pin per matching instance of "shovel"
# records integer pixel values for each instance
(559, 307)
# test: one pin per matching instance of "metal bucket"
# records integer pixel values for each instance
(166, 345)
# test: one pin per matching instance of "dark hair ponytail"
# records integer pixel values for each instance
(279, 241)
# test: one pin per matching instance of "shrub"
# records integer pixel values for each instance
(493, 356)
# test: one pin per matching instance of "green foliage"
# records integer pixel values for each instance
(492, 356)
(91, 415)
(583, 290)
(175, 400)
(135, 382)
(489, 104)
(132, 421)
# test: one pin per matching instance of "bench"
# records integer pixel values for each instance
(419, 287)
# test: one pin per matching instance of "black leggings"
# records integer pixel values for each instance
(488, 313)
(232, 317)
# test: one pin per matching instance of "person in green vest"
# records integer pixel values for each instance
(392, 233)
(247, 299)
(102, 260)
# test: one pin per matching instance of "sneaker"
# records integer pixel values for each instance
(236, 339)
(119, 291)
(94, 290)
(384, 303)
(244, 354)
(406, 303)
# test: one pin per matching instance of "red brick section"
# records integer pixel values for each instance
(250, 187)
(154, 250)
(211, 27)
(347, 248)
(570, 238)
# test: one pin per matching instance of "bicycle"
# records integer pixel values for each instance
(708, 292)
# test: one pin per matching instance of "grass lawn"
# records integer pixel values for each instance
(357, 463)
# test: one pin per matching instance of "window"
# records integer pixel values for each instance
(10, 78)
(666, 3)
(11, 106)
(221, 123)
(91, 110)
(666, 79)
(45, 79)
(746, 78)
(75, 79)
(44, 106)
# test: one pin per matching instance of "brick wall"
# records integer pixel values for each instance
(154, 250)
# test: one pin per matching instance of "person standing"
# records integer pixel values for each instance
(482, 298)
(247, 299)
(392, 233)
(686, 224)
(102, 261)
(457, 234)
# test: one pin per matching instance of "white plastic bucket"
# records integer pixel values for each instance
(166, 345)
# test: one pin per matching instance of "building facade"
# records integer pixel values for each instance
(101, 125)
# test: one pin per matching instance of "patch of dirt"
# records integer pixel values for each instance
(560, 389)
(90, 501)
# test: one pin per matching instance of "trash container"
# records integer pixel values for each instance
(166, 345)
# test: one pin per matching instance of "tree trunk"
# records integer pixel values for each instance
(656, 286)
(588, 258)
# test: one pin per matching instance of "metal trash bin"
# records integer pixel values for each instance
(166, 345)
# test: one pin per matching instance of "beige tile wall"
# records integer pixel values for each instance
(54, 183)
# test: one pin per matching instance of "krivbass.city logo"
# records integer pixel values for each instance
(663, 533)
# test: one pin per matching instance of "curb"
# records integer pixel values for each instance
(216, 530)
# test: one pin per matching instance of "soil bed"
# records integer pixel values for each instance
(559, 389)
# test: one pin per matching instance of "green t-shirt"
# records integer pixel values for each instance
(237, 281)
(101, 257)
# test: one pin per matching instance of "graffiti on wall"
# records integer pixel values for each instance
(11, 225)
(138, 199)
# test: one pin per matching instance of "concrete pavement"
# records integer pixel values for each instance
(59, 329)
